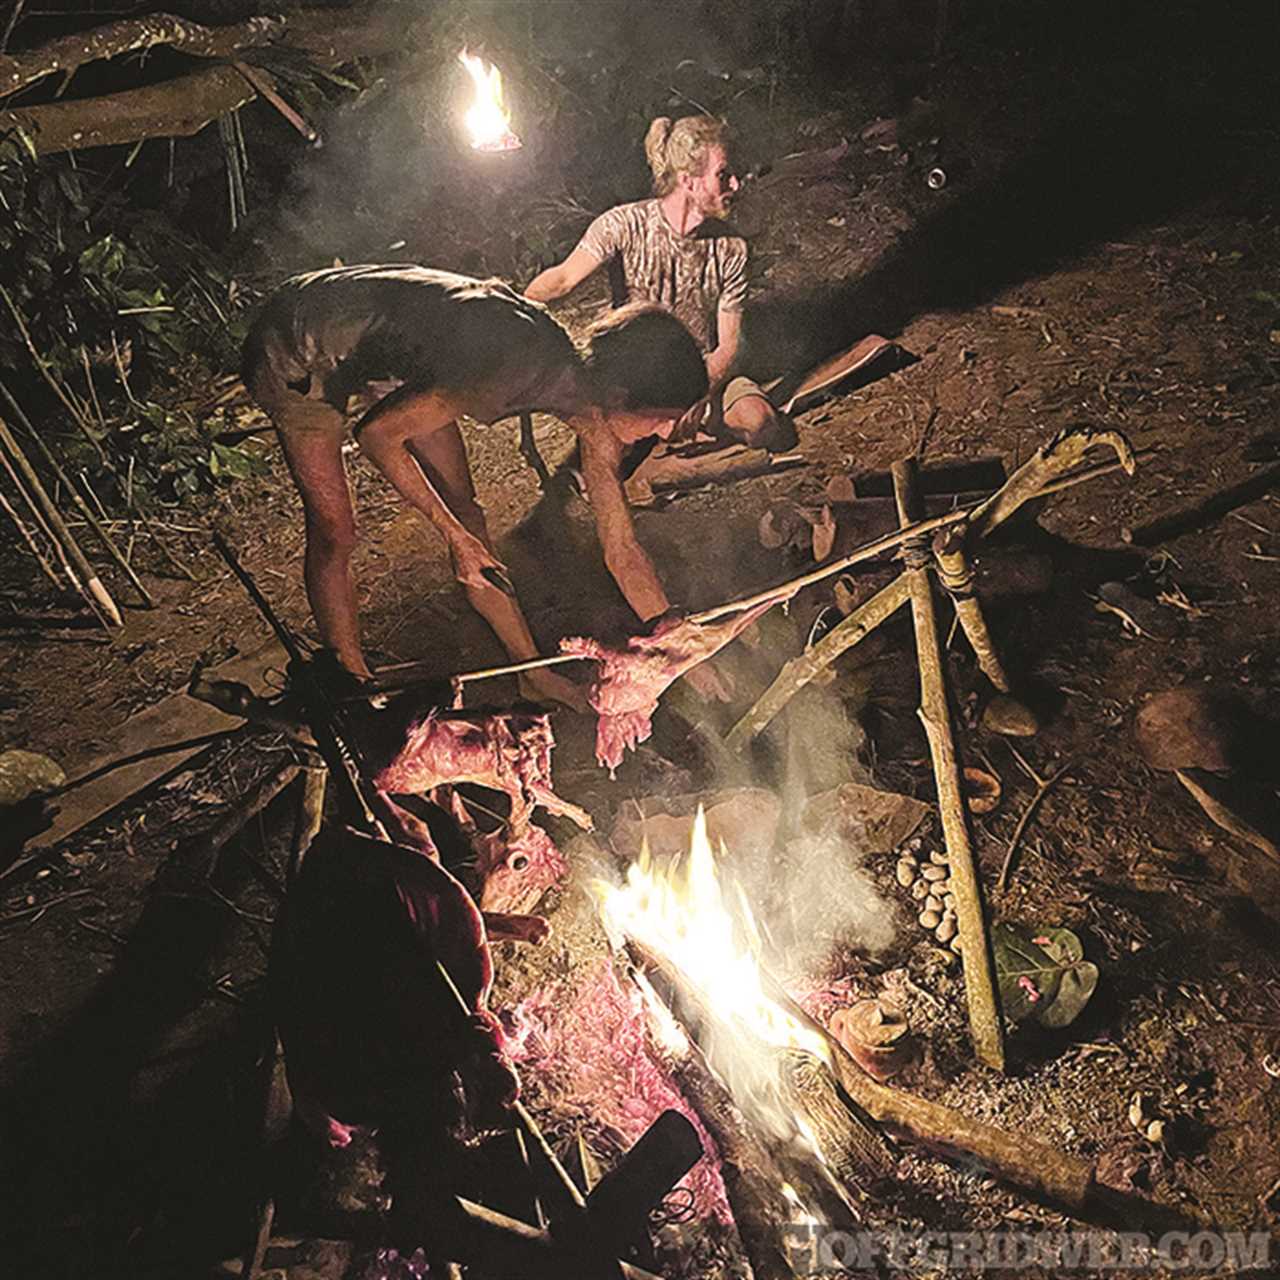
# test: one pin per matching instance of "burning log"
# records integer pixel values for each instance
(753, 1177)
(979, 980)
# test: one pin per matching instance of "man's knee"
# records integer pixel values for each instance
(755, 422)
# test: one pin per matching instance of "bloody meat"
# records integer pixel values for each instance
(625, 693)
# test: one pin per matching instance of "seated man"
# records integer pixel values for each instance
(677, 250)
(433, 346)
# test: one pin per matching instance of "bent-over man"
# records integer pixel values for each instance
(676, 249)
(427, 347)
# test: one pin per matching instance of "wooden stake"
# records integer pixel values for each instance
(30, 539)
(935, 714)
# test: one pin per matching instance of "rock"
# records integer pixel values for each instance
(1006, 715)
(920, 890)
(981, 790)
(24, 774)
(1194, 727)
(932, 903)
(906, 873)
(939, 857)
(957, 945)
(933, 872)
(870, 820)
(930, 919)
(1154, 1132)
(947, 928)
(949, 901)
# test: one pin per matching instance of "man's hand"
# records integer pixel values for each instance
(700, 418)
(474, 565)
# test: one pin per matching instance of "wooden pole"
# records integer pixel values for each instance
(935, 714)
(802, 669)
(87, 574)
(80, 504)
(955, 572)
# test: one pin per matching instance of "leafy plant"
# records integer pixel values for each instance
(1042, 973)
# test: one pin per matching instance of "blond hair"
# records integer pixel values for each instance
(673, 148)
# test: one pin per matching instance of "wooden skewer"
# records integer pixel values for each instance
(867, 551)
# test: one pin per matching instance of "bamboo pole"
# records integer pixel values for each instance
(802, 669)
(87, 574)
(30, 539)
(91, 519)
(935, 714)
(955, 572)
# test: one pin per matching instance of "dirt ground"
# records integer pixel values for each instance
(1059, 279)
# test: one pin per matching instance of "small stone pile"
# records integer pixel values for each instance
(927, 877)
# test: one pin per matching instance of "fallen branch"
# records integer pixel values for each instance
(1199, 782)
(1043, 786)
(66, 54)
(184, 105)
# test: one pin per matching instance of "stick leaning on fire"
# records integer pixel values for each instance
(632, 679)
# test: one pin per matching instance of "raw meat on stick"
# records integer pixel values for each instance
(625, 694)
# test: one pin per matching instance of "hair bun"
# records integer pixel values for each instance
(655, 146)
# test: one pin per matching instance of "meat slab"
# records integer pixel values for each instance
(508, 751)
(372, 1035)
(626, 691)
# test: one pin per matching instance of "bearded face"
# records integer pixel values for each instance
(714, 188)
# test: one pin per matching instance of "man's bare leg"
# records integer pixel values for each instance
(315, 461)
(444, 461)
(754, 421)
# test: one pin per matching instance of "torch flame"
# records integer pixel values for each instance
(488, 120)
(678, 911)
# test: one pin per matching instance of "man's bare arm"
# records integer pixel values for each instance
(383, 435)
(728, 341)
(627, 561)
(563, 278)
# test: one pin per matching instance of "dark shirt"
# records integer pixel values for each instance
(354, 331)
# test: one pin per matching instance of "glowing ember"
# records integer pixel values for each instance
(488, 120)
(678, 911)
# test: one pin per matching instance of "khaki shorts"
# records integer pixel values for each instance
(739, 389)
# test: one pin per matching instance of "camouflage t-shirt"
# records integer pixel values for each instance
(695, 275)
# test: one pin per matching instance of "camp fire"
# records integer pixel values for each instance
(679, 911)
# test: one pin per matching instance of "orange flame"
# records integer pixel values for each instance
(488, 120)
(679, 911)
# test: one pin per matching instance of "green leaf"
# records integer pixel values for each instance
(1042, 973)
